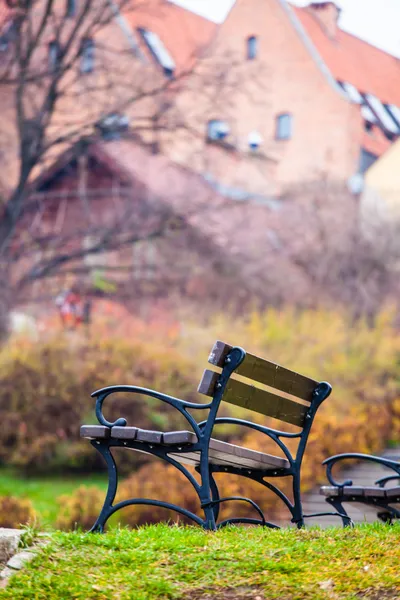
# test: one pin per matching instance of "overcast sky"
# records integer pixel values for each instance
(376, 21)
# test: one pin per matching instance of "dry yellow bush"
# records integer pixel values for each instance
(15, 512)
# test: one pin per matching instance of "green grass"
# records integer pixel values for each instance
(44, 491)
(160, 562)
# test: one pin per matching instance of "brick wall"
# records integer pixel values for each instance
(283, 78)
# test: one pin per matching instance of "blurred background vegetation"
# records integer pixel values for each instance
(45, 387)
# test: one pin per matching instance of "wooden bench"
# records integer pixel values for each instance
(379, 495)
(296, 403)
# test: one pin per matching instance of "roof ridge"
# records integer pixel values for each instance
(346, 32)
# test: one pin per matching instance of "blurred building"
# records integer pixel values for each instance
(273, 99)
(380, 204)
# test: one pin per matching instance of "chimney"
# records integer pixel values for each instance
(327, 14)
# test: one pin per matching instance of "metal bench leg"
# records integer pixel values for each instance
(338, 506)
(206, 492)
(297, 512)
(215, 496)
(105, 513)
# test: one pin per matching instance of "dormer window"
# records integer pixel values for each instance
(54, 54)
(158, 51)
(70, 8)
(217, 130)
(87, 56)
(284, 126)
(251, 47)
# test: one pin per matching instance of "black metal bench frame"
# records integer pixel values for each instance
(345, 492)
(207, 490)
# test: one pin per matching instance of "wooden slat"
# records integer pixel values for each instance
(179, 437)
(222, 453)
(124, 433)
(266, 372)
(329, 491)
(207, 383)
(258, 400)
(393, 493)
(225, 460)
(146, 435)
(95, 432)
(374, 492)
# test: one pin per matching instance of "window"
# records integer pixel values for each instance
(54, 54)
(251, 47)
(394, 112)
(254, 140)
(112, 126)
(217, 130)
(367, 159)
(70, 8)
(87, 56)
(158, 51)
(384, 117)
(284, 126)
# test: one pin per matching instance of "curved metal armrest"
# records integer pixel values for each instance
(384, 480)
(330, 462)
(180, 405)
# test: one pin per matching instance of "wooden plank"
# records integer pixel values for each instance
(95, 432)
(266, 372)
(146, 435)
(229, 460)
(179, 437)
(124, 433)
(393, 493)
(207, 383)
(374, 492)
(242, 454)
(260, 401)
(227, 453)
(329, 491)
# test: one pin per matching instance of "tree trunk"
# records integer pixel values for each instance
(5, 300)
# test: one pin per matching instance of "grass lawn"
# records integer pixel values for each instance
(161, 562)
(44, 491)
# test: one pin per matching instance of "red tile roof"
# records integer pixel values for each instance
(375, 142)
(184, 34)
(352, 60)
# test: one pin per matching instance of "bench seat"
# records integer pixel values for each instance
(352, 492)
(221, 453)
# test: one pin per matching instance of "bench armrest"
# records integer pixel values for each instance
(384, 480)
(330, 462)
(180, 405)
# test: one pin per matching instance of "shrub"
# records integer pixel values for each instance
(150, 482)
(15, 512)
(45, 395)
(80, 509)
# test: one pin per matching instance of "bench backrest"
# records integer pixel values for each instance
(254, 398)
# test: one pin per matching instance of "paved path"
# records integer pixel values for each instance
(364, 473)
